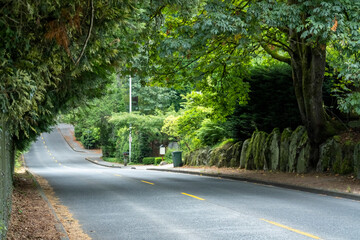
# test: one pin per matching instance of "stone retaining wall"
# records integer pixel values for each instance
(287, 151)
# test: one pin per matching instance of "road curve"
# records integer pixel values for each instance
(113, 203)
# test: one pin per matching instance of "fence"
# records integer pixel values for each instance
(6, 169)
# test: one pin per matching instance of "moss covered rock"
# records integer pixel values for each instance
(258, 147)
(272, 151)
(198, 157)
(220, 156)
(330, 152)
(345, 164)
(357, 160)
(249, 156)
(295, 147)
(284, 150)
(244, 150)
(235, 154)
(202, 158)
(303, 159)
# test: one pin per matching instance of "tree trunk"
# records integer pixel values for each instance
(308, 67)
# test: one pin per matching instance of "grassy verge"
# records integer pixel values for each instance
(117, 160)
(113, 159)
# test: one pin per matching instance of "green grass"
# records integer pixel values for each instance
(135, 164)
(112, 159)
(221, 144)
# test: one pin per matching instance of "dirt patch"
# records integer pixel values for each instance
(31, 217)
(71, 225)
(350, 136)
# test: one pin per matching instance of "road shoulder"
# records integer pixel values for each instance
(319, 183)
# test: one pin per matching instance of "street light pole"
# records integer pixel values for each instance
(130, 104)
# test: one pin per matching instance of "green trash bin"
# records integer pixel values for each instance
(176, 157)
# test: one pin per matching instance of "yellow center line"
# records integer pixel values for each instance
(117, 175)
(291, 229)
(148, 182)
(192, 196)
(56, 160)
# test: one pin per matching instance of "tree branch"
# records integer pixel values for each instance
(89, 33)
(158, 11)
(275, 54)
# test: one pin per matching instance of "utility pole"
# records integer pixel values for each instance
(130, 104)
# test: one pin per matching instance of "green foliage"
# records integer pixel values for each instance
(55, 55)
(112, 159)
(168, 155)
(49, 65)
(214, 50)
(151, 160)
(350, 103)
(90, 138)
(95, 114)
(122, 145)
(150, 99)
(78, 132)
(145, 130)
(3, 228)
(211, 132)
(158, 160)
(272, 103)
(148, 160)
(223, 143)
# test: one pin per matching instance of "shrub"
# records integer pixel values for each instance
(168, 155)
(211, 132)
(108, 150)
(158, 160)
(148, 160)
(78, 132)
(90, 138)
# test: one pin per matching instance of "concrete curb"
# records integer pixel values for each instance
(100, 164)
(59, 226)
(71, 146)
(268, 183)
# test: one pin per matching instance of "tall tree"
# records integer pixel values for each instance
(214, 47)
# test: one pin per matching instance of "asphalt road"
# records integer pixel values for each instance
(113, 203)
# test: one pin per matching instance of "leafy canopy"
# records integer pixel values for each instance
(212, 50)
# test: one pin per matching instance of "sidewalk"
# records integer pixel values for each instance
(320, 183)
(67, 131)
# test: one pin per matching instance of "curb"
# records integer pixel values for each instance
(103, 165)
(268, 183)
(59, 226)
(71, 146)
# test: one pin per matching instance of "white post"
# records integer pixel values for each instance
(130, 105)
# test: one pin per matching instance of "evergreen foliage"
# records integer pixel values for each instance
(272, 103)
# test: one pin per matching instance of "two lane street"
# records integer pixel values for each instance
(125, 203)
